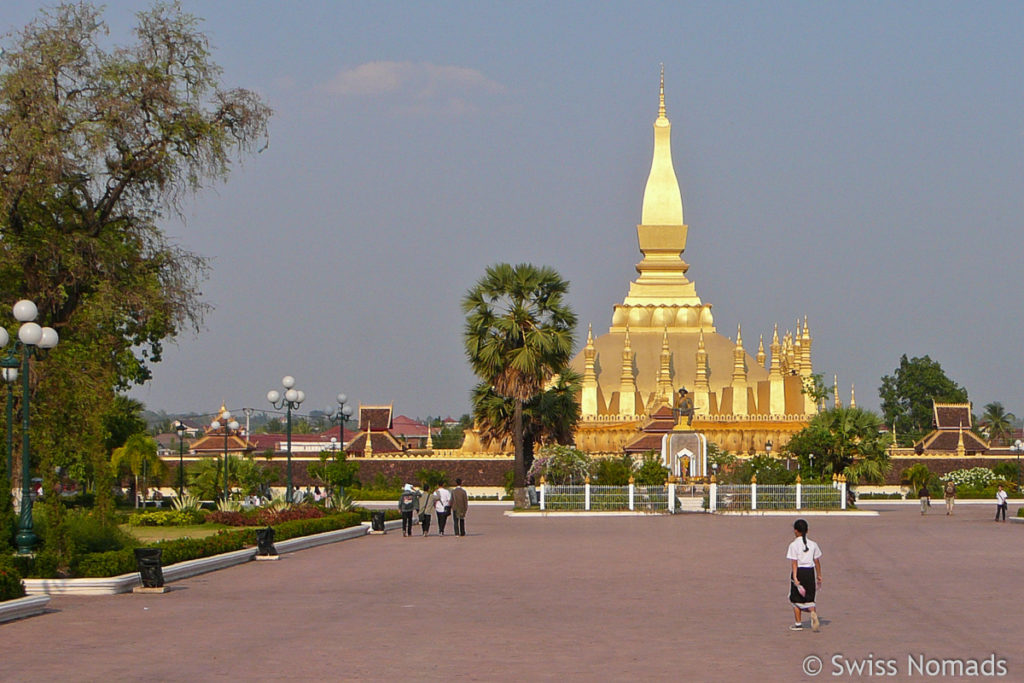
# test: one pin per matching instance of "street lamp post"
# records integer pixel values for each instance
(33, 340)
(811, 457)
(179, 427)
(10, 364)
(229, 425)
(291, 400)
(1018, 446)
(340, 416)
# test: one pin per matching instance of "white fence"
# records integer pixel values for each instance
(717, 497)
(754, 496)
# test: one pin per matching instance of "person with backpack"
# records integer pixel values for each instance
(950, 493)
(408, 503)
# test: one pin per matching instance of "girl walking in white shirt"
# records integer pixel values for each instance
(805, 576)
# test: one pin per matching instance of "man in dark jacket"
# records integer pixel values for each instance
(460, 504)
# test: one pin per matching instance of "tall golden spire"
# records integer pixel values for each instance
(760, 351)
(663, 204)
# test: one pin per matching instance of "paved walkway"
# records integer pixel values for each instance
(690, 596)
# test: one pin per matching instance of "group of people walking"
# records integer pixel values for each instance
(949, 492)
(440, 502)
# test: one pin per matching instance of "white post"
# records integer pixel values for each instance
(713, 496)
(672, 497)
(842, 493)
(542, 495)
(753, 495)
(586, 494)
(631, 494)
(799, 489)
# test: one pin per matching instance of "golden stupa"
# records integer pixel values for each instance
(663, 338)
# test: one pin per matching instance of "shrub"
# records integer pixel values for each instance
(11, 586)
(612, 471)
(976, 477)
(166, 518)
(651, 472)
(1006, 470)
(428, 480)
(560, 465)
(87, 533)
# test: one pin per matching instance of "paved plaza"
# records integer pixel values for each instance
(694, 597)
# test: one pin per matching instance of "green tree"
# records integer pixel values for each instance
(996, 423)
(251, 477)
(98, 144)
(138, 456)
(844, 441)
(335, 470)
(122, 420)
(518, 336)
(273, 426)
(907, 396)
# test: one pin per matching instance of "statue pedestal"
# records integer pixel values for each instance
(144, 589)
(685, 453)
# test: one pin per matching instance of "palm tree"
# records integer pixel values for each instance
(844, 441)
(996, 422)
(548, 418)
(138, 454)
(518, 336)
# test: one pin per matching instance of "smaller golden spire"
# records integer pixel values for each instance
(760, 351)
(853, 395)
(835, 391)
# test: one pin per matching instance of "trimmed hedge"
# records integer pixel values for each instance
(166, 518)
(117, 562)
(11, 586)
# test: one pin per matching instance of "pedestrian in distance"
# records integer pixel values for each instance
(407, 504)
(443, 507)
(460, 504)
(926, 498)
(950, 493)
(1000, 503)
(426, 508)
(805, 576)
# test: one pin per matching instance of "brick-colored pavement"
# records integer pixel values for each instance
(691, 596)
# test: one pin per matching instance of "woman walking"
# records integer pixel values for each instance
(805, 576)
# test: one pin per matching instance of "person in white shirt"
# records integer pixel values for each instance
(1000, 503)
(805, 576)
(443, 507)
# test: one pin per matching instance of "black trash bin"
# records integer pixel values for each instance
(377, 520)
(265, 542)
(148, 562)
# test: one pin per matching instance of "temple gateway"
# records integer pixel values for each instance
(662, 338)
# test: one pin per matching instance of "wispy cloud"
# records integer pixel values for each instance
(420, 87)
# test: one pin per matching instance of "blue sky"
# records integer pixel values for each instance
(858, 163)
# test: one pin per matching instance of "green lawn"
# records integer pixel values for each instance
(164, 533)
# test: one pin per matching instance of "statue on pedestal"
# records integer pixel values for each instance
(684, 407)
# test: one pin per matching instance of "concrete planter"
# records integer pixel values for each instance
(23, 607)
(124, 583)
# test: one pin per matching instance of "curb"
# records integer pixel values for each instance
(124, 583)
(23, 607)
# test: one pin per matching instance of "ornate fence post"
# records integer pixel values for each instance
(753, 492)
(672, 495)
(631, 489)
(842, 491)
(542, 487)
(586, 493)
(799, 490)
(713, 495)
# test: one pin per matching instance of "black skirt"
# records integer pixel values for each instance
(805, 575)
